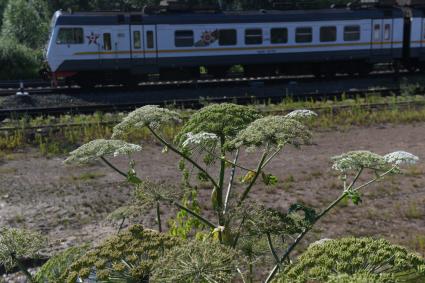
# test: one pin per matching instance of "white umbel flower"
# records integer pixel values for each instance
(149, 115)
(361, 159)
(100, 148)
(301, 114)
(401, 158)
(200, 138)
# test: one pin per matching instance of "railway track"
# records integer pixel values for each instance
(10, 88)
(334, 109)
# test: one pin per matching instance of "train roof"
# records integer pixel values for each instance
(117, 18)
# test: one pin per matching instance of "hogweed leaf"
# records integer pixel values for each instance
(269, 179)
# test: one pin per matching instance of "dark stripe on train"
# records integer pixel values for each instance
(152, 65)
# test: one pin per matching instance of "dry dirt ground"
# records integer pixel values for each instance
(69, 204)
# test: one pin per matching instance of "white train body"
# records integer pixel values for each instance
(123, 46)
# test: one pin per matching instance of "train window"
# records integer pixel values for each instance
(279, 35)
(253, 36)
(149, 39)
(387, 32)
(227, 37)
(351, 33)
(107, 43)
(70, 36)
(304, 35)
(183, 38)
(137, 39)
(327, 34)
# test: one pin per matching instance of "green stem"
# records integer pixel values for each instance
(191, 212)
(113, 167)
(229, 188)
(121, 225)
(220, 184)
(272, 250)
(158, 217)
(175, 150)
(251, 273)
(248, 189)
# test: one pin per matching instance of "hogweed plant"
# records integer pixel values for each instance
(210, 144)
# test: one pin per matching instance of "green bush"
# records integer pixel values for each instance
(22, 62)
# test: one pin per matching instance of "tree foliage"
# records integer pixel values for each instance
(26, 22)
(22, 62)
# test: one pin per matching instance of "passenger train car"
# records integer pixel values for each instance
(89, 48)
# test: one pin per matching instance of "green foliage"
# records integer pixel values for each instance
(58, 264)
(3, 4)
(127, 257)
(21, 61)
(355, 255)
(26, 22)
(198, 262)
(18, 244)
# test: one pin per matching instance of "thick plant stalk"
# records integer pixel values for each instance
(232, 177)
(251, 184)
(158, 217)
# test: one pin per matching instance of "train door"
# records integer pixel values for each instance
(150, 45)
(382, 35)
(137, 53)
(114, 47)
(377, 34)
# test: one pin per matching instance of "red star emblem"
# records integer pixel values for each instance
(92, 38)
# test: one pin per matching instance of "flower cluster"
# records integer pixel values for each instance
(17, 244)
(198, 261)
(127, 257)
(101, 148)
(361, 159)
(352, 256)
(224, 120)
(301, 114)
(401, 158)
(150, 115)
(274, 131)
(200, 139)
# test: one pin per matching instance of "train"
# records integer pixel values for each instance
(132, 47)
